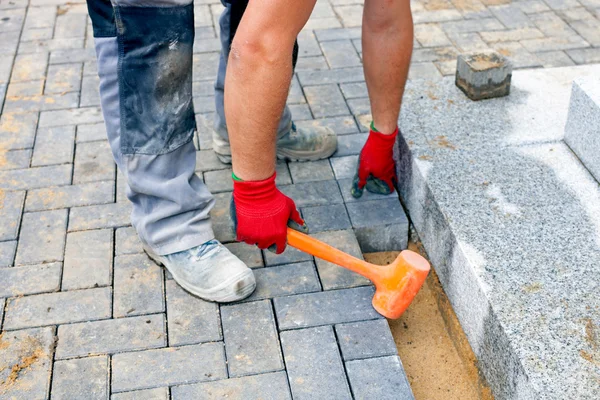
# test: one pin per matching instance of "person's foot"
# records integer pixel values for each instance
(209, 271)
(303, 144)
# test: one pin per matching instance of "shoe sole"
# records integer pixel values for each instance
(244, 285)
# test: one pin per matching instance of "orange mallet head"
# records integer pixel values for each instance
(396, 284)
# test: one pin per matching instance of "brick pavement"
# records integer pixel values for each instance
(85, 314)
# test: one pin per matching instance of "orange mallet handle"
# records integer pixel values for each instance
(396, 284)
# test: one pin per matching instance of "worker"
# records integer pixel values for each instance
(144, 51)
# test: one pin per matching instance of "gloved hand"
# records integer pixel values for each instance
(261, 214)
(376, 167)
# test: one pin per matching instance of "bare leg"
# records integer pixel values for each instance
(257, 82)
(387, 39)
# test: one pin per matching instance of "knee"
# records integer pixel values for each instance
(381, 15)
(261, 48)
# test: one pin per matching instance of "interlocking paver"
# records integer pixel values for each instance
(313, 193)
(127, 241)
(314, 364)
(343, 125)
(301, 112)
(93, 162)
(148, 394)
(89, 91)
(350, 144)
(29, 279)
(16, 159)
(138, 286)
(311, 171)
(99, 216)
(11, 208)
(111, 336)
(389, 383)
(63, 78)
(81, 378)
(42, 237)
(73, 116)
(70, 196)
(344, 167)
(17, 131)
(290, 255)
(251, 341)
(338, 75)
(285, 280)
(53, 146)
(340, 53)
(91, 132)
(29, 67)
(250, 255)
(326, 218)
(57, 308)
(365, 339)
(7, 252)
(34, 178)
(169, 366)
(88, 259)
(191, 320)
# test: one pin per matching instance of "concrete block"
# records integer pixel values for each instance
(583, 123)
(360, 106)
(309, 46)
(272, 386)
(326, 218)
(53, 146)
(483, 75)
(111, 336)
(285, 280)
(63, 78)
(251, 341)
(314, 366)
(344, 167)
(310, 171)
(81, 378)
(11, 208)
(89, 91)
(338, 75)
(7, 253)
(148, 394)
(99, 216)
(138, 286)
(29, 279)
(91, 132)
(300, 112)
(365, 339)
(33, 178)
(190, 319)
(17, 131)
(19, 104)
(167, 367)
(318, 193)
(58, 308)
(73, 116)
(379, 378)
(340, 54)
(42, 237)
(323, 308)
(17, 159)
(311, 63)
(29, 67)
(127, 242)
(290, 255)
(350, 144)
(30, 344)
(93, 162)
(85, 194)
(88, 259)
(251, 255)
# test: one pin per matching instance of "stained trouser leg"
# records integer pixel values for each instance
(146, 95)
(228, 23)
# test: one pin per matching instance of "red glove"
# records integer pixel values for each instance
(377, 160)
(262, 213)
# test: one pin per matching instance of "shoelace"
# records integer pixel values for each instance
(205, 248)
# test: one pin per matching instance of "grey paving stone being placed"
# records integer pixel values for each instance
(326, 218)
(167, 367)
(111, 336)
(310, 171)
(42, 237)
(379, 378)
(138, 286)
(333, 276)
(99, 216)
(7, 253)
(148, 394)
(81, 378)
(34, 346)
(285, 280)
(271, 386)
(58, 308)
(583, 123)
(251, 255)
(127, 241)
(70, 196)
(314, 365)
(93, 162)
(318, 193)
(29, 279)
(88, 259)
(483, 75)
(53, 146)
(290, 255)
(191, 320)
(323, 308)
(365, 339)
(251, 341)
(11, 207)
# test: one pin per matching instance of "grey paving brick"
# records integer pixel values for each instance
(562, 4)
(551, 24)
(512, 35)
(25, 89)
(511, 16)
(21, 104)
(52, 46)
(203, 88)
(552, 59)
(251, 341)
(272, 386)
(554, 43)
(300, 112)
(36, 345)
(90, 67)
(204, 104)
(354, 90)
(11, 208)
(575, 14)
(81, 378)
(66, 51)
(338, 75)
(333, 276)
(88, 259)
(121, 187)
(190, 319)
(70, 196)
(7, 253)
(314, 366)
(91, 132)
(17, 131)
(53, 146)
(313, 193)
(111, 336)
(8, 42)
(324, 308)
(379, 378)
(63, 78)
(326, 218)
(308, 45)
(343, 125)
(585, 56)
(338, 34)
(29, 67)
(323, 23)
(148, 394)
(42, 237)
(344, 167)
(295, 95)
(519, 56)
(74, 116)
(251, 255)
(205, 66)
(138, 286)
(436, 16)
(340, 53)
(204, 123)
(127, 241)
(89, 91)
(58, 308)
(37, 34)
(365, 339)
(167, 367)
(219, 180)
(220, 217)
(99, 216)
(40, 17)
(431, 35)
(285, 280)
(207, 160)
(93, 162)
(16, 159)
(350, 144)
(311, 63)
(311, 171)
(290, 255)
(472, 25)
(29, 279)
(380, 225)
(588, 29)
(468, 41)
(351, 15)
(360, 105)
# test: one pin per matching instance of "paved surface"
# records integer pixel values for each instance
(86, 315)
